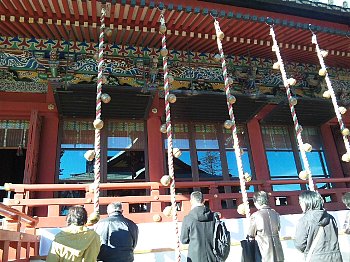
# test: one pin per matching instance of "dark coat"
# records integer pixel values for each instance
(198, 231)
(327, 248)
(265, 226)
(118, 237)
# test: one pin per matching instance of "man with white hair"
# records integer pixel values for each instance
(118, 235)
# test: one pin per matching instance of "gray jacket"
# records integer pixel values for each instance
(265, 226)
(327, 248)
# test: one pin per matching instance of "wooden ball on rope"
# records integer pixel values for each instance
(98, 124)
(163, 128)
(93, 219)
(241, 209)
(326, 94)
(157, 218)
(228, 124)
(345, 132)
(346, 158)
(276, 66)
(303, 175)
(165, 180)
(95, 56)
(220, 35)
(322, 72)
(177, 152)
(162, 29)
(106, 98)
(324, 53)
(172, 98)
(307, 147)
(291, 81)
(167, 211)
(108, 32)
(170, 78)
(164, 52)
(217, 58)
(231, 99)
(293, 101)
(247, 177)
(89, 155)
(342, 110)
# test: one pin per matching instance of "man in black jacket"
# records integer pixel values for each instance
(198, 231)
(118, 236)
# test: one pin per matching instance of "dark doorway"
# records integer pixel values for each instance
(12, 162)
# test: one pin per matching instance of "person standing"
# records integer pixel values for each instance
(264, 227)
(346, 201)
(198, 231)
(76, 242)
(118, 235)
(317, 231)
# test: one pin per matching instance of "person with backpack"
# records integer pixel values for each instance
(198, 229)
(264, 227)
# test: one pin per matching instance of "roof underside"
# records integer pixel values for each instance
(189, 24)
(80, 101)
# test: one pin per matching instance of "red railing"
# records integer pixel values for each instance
(17, 238)
(285, 202)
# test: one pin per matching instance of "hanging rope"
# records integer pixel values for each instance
(330, 94)
(232, 124)
(98, 122)
(164, 53)
(292, 102)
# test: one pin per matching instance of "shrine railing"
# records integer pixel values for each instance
(18, 241)
(149, 206)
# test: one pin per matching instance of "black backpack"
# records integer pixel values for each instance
(221, 240)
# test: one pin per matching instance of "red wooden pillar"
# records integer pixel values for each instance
(258, 151)
(155, 143)
(331, 153)
(31, 164)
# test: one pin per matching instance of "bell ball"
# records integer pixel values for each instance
(324, 53)
(108, 32)
(241, 209)
(98, 123)
(164, 52)
(165, 180)
(220, 35)
(293, 101)
(345, 132)
(247, 177)
(276, 66)
(95, 56)
(303, 175)
(93, 219)
(162, 29)
(177, 152)
(326, 94)
(230, 80)
(346, 158)
(172, 98)
(106, 98)
(228, 124)
(167, 211)
(163, 128)
(157, 218)
(322, 72)
(291, 81)
(231, 99)
(342, 110)
(217, 58)
(89, 155)
(170, 78)
(307, 147)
